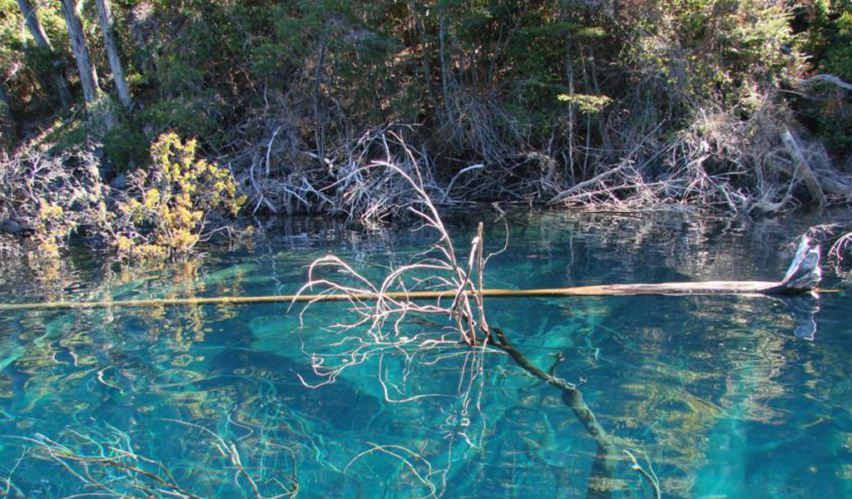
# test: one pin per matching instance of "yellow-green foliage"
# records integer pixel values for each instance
(173, 200)
(590, 104)
(53, 228)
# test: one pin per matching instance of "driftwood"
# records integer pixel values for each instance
(562, 196)
(803, 276)
(820, 182)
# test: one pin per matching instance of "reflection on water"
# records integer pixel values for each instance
(804, 310)
(727, 396)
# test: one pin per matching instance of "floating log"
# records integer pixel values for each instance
(803, 276)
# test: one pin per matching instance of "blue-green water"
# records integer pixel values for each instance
(726, 396)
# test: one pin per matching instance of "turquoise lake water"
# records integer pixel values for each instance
(720, 396)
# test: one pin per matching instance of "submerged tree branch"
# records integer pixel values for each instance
(571, 395)
(603, 466)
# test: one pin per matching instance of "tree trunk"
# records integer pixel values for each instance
(420, 28)
(88, 75)
(319, 116)
(31, 18)
(445, 93)
(105, 18)
(40, 37)
(7, 120)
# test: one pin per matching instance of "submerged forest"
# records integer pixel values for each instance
(449, 248)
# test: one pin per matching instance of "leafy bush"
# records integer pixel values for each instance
(172, 202)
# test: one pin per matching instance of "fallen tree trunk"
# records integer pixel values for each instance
(818, 182)
(803, 276)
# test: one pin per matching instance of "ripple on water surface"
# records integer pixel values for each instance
(725, 396)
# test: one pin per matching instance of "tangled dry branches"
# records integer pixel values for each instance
(380, 331)
(439, 268)
(382, 318)
(48, 196)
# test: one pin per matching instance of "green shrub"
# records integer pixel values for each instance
(126, 146)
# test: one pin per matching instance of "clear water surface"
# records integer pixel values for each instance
(723, 396)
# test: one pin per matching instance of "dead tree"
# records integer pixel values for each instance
(88, 74)
(30, 14)
(106, 20)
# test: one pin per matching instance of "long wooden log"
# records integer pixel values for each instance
(803, 276)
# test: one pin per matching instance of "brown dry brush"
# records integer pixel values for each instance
(671, 136)
(690, 152)
(666, 137)
(284, 174)
(276, 162)
(722, 161)
(302, 153)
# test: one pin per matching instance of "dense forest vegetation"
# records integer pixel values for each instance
(142, 124)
